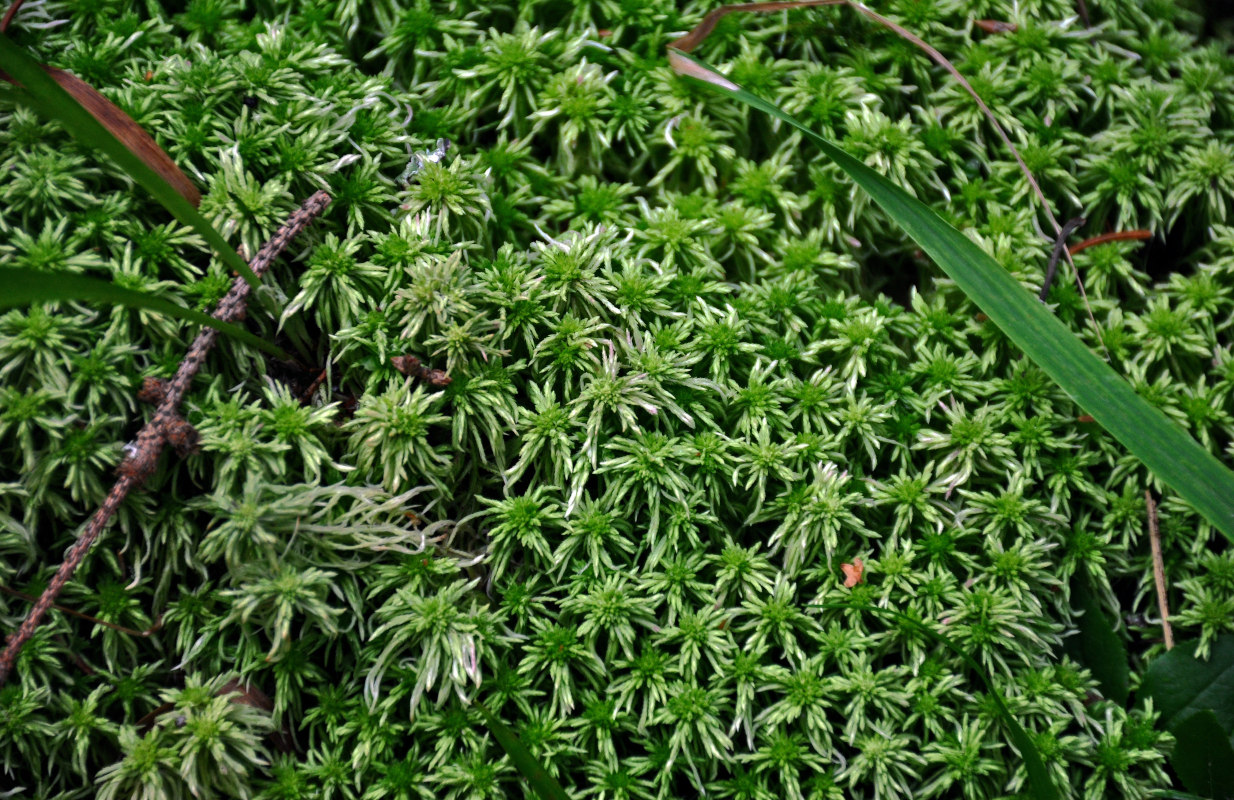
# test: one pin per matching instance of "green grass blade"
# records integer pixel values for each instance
(1164, 447)
(25, 286)
(1042, 786)
(537, 776)
(50, 99)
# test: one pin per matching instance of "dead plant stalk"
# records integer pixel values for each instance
(165, 426)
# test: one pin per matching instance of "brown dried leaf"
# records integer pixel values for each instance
(132, 135)
(122, 126)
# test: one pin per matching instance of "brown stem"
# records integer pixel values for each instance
(1117, 236)
(308, 393)
(143, 456)
(1154, 541)
(155, 628)
(14, 7)
(78, 661)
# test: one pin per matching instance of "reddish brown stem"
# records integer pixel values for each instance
(307, 396)
(1117, 236)
(14, 7)
(166, 424)
(155, 628)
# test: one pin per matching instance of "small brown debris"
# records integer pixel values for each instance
(413, 368)
(996, 26)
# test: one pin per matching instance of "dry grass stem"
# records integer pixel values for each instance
(1154, 540)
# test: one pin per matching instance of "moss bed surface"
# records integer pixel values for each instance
(693, 373)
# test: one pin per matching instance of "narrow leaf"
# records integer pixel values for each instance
(1098, 645)
(545, 784)
(1042, 786)
(25, 286)
(1164, 447)
(51, 99)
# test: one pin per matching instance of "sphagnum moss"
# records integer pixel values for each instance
(676, 406)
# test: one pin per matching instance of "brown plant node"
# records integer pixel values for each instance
(414, 368)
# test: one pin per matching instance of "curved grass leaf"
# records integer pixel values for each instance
(1164, 447)
(51, 100)
(537, 776)
(25, 286)
(1039, 781)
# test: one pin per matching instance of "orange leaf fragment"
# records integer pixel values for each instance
(853, 573)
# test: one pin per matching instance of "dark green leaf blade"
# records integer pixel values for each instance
(1164, 447)
(1180, 684)
(1098, 645)
(545, 784)
(25, 286)
(52, 100)
(1203, 757)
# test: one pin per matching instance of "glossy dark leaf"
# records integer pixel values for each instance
(1203, 756)
(1180, 684)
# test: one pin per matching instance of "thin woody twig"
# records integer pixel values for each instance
(308, 393)
(1154, 541)
(165, 426)
(29, 598)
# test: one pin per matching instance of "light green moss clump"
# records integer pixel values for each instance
(693, 372)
